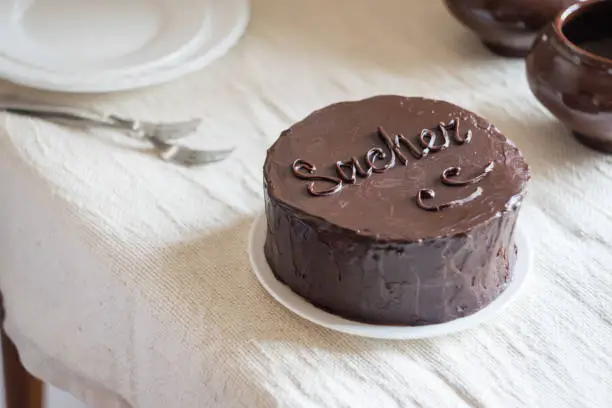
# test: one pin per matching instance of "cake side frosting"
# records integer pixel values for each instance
(394, 210)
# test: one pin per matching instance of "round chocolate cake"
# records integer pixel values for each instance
(394, 210)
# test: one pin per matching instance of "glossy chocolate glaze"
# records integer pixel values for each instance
(348, 170)
(507, 27)
(572, 81)
(369, 251)
(449, 175)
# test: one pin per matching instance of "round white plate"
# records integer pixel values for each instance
(69, 37)
(222, 24)
(302, 308)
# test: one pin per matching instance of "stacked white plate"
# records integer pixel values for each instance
(113, 45)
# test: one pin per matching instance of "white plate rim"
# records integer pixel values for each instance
(299, 306)
(186, 49)
(234, 14)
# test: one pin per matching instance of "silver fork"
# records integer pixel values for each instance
(168, 151)
(160, 135)
(159, 131)
(137, 128)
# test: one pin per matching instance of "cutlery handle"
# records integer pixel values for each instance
(48, 110)
(69, 121)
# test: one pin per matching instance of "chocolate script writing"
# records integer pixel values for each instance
(447, 178)
(376, 160)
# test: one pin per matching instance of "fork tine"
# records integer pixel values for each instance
(169, 135)
(174, 131)
(189, 157)
(184, 123)
(151, 128)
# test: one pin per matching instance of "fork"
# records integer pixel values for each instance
(170, 152)
(160, 135)
(159, 131)
(136, 128)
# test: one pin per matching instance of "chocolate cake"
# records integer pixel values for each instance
(394, 210)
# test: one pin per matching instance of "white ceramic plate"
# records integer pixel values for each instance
(155, 51)
(69, 37)
(302, 308)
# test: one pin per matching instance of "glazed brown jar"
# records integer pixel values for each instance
(507, 27)
(570, 71)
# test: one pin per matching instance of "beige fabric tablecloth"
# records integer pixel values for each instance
(126, 279)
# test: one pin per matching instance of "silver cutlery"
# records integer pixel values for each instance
(161, 135)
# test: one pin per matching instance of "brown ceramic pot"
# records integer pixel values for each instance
(507, 27)
(570, 71)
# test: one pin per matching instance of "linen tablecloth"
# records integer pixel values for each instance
(126, 279)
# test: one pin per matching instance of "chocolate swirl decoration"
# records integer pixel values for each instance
(356, 169)
(349, 170)
(449, 174)
(454, 125)
(427, 139)
(376, 154)
(427, 194)
(307, 171)
(395, 144)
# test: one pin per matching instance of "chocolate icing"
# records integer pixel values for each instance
(427, 138)
(307, 171)
(369, 252)
(449, 174)
(429, 194)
